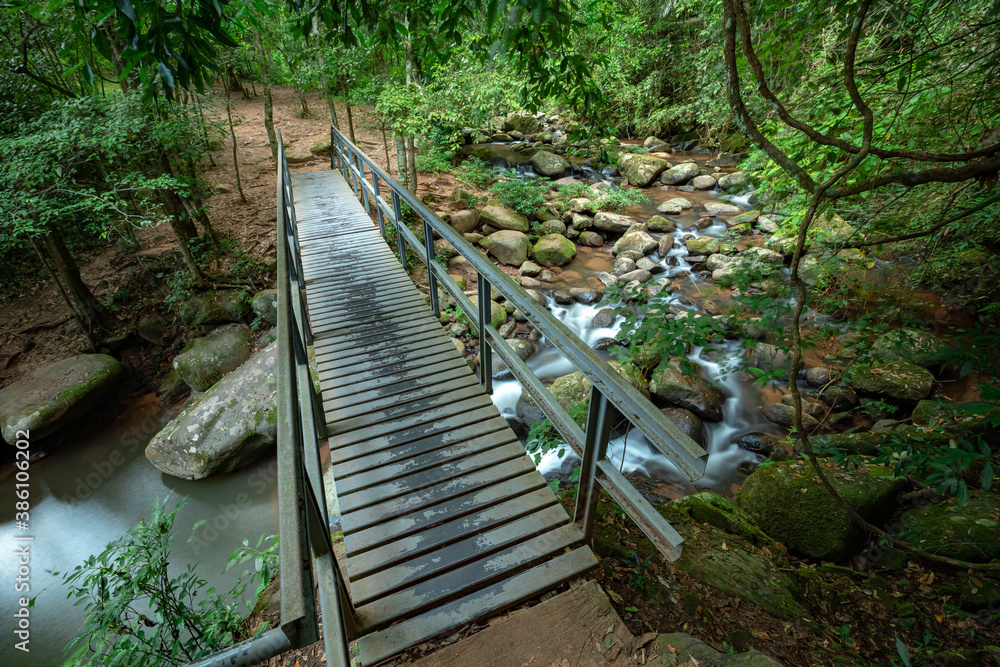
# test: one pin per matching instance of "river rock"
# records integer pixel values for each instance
(658, 223)
(769, 358)
(172, 388)
(703, 182)
(225, 429)
(966, 532)
(671, 386)
(641, 170)
(646, 264)
(818, 376)
(839, 398)
(205, 360)
(638, 275)
(154, 329)
(571, 390)
(54, 395)
(717, 261)
(635, 241)
(908, 345)
(789, 504)
(504, 218)
(666, 243)
(894, 379)
(551, 227)
(521, 121)
(265, 304)
(584, 295)
(553, 250)
(784, 415)
(656, 145)
(591, 239)
(524, 349)
(549, 164)
(682, 173)
(720, 208)
(734, 181)
(687, 422)
(580, 222)
(527, 409)
(613, 222)
(604, 318)
(624, 265)
(758, 443)
(708, 245)
(464, 222)
(498, 314)
(508, 246)
(670, 207)
(214, 307)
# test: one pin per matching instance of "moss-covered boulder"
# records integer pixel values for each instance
(56, 394)
(521, 122)
(968, 532)
(682, 173)
(553, 250)
(508, 246)
(635, 240)
(498, 314)
(788, 502)
(265, 305)
(641, 170)
(504, 218)
(895, 379)
(571, 390)
(215, 307)
(670, 385)
(909, 346)
(206, 360)
(709, 245)
(549, 164)
(225, 429)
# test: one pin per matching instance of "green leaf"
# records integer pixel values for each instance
(903, 652)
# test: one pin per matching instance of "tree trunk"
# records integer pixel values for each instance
(232, 132)
(411, 163)
(347, 103)
(385, 145)
(400, 159)
(265, 82)
(69, 273)
(80, 320)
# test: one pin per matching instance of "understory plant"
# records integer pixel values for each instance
(524, 195)
(141, 613)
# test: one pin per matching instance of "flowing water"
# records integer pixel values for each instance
(90, 492)
(742, 407)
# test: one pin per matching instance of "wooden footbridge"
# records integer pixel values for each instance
(445, 519)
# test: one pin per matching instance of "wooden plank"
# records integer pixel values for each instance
(468, 384)
(361, 344)
(399, 323)
(481, 572)
(364, 562)
(414, 432)
(338, 320)
(409, 345)
(427, 358)
(445, 473)
(412, 572)
(397, 452)
(373, 378)
(438, 381)
(357, 430)
(404, 409)
(446, 490)
(353, 305)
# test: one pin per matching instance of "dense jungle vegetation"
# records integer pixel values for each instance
(867, 133)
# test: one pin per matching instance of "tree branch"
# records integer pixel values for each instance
(930, 230)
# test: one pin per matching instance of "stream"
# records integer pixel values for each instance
(90, 492)
(631, 452)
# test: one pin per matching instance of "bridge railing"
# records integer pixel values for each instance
(376, 189)
(305, 550)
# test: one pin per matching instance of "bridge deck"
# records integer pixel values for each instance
(445, 518)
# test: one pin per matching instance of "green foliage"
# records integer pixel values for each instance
(618, 200)
(524, 195)
(130, 576)
(477, 173)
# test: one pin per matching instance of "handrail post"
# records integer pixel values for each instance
(397, 210)
(431, 278)
(333, 150)
(483, 289)
(361, 182)
(378, 207)
(595, 449)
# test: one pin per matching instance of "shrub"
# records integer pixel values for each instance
(477, 173)
(521, 194)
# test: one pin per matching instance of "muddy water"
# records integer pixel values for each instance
(90, 492)
(741, 411)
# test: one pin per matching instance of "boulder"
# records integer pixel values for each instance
(894, 379)
(708, 245)
(679, 649)
(154, 329)
(635, 241)
(464, 222)
(509, 247)
(551, 227)
(703, 182)
(687, 422)
(54, 395)
(966, 532)
(553, 250)
(225, 429)
(638, 275)
(530, 269)
(520, 121)
(585, 295)
(215, 307)
(571, 390)
(720, 208)
(674, 206)
(692, 392)
(549, 164)
(591, 239)
(734, 181)
(641, 170)
(666, 243)
(784, 415)
(908, 345)
(524, 349)
(172, 388)
(504, 218)
(789, 504)
(265, 304)
(206, 360)
(658, 223)
(613, 222)
(763, 256)
(498, 314)
(769, 358)
(682, 173)
(527, 409)
(656, 145)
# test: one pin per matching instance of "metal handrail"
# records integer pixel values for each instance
(305, 548)
(609, 388)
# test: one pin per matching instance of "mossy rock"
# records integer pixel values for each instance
(908, 345)
(711, 508)
(206, 360)
(788, 502)
(709, 245)
(895, 379)
(641, 170)
(553, 250)
(678, 649)
(54, 395)
(571, 390)
(498, 314)
(967, 532)
(215, 307)
(265, 305)
(320, 147)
